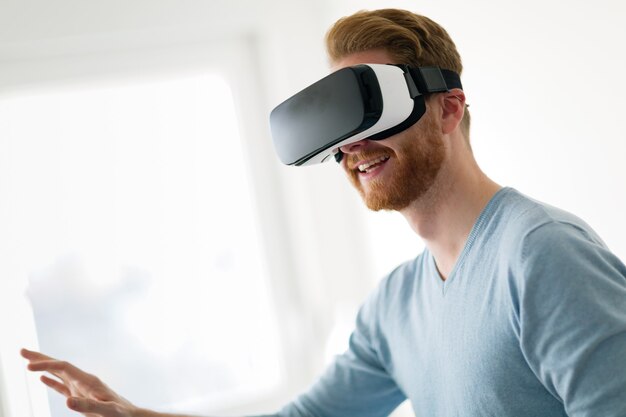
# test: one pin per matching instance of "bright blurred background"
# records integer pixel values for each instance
(149, 234)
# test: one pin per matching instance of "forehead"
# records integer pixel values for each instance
(373, 56)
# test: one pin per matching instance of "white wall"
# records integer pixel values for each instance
(542, 78)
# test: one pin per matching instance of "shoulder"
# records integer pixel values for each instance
(523, 215)
(395, 289)
(552, 247)
(544, 229)
(527, 226)
(402, 280)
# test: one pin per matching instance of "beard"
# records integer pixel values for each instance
(415, 167)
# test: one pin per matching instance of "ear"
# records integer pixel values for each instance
(452, 109)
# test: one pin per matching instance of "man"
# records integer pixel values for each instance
(515, 308)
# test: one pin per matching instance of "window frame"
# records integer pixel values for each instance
(234, 59)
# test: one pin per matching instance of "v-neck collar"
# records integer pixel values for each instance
(478, 227)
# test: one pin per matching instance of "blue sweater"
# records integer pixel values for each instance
(531, 322)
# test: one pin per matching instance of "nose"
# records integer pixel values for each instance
(353, 147)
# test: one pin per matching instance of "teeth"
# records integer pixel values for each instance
(364, 167)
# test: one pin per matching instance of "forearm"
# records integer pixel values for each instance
(142, 412)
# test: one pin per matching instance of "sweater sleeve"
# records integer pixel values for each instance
(572, 318)
(356, 384)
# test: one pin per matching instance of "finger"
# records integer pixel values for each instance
(61, 369)
(69, 374)
(86, 405)
(51, 366)
(56, 385)
(57, 367)
(32, 355)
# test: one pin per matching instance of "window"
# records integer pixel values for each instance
(131, 208)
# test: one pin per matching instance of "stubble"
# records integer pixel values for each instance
(416, 165)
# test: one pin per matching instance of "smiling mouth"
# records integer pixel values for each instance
(372, 165)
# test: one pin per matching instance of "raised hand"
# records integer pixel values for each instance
(85, 393)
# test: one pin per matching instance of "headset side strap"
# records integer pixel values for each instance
(431, 80)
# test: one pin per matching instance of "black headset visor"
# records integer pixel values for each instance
(370, 101)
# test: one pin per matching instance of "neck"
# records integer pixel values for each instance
(445, 215)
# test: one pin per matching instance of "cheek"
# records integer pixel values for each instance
(399, 142)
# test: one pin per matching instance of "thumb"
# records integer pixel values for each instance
(86, 405)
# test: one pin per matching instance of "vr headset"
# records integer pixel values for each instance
(367, 101)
